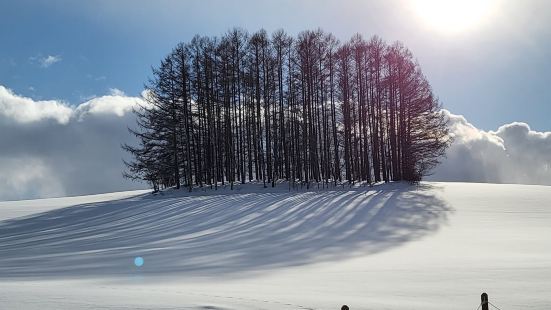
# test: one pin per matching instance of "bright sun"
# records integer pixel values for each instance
(453, 16)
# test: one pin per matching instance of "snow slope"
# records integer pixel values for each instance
(394, 246)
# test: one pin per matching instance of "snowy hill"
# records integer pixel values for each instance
(393, 246)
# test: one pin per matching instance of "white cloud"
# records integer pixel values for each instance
(49, 148)
(49, 60)
(512, 154)
(116, 92)
(45, 61)
(26, 110)
(118, 105)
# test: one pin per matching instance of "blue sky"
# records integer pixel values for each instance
(496, 72)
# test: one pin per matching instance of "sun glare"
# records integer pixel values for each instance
(453, 16)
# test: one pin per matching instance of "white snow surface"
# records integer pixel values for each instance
(391, 246)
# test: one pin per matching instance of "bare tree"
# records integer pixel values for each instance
(273, 108)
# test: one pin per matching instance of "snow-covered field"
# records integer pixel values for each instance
(394, 246)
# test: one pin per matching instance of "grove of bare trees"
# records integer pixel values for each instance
(306, 109)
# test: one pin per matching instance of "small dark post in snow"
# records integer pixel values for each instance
(484, 301)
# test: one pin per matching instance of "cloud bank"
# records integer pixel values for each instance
(49, 148)
(512, 154)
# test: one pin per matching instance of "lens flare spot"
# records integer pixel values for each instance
(138, 261)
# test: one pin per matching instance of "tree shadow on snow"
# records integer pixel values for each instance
(213, 235)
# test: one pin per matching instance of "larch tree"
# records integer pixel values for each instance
(258, 107)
